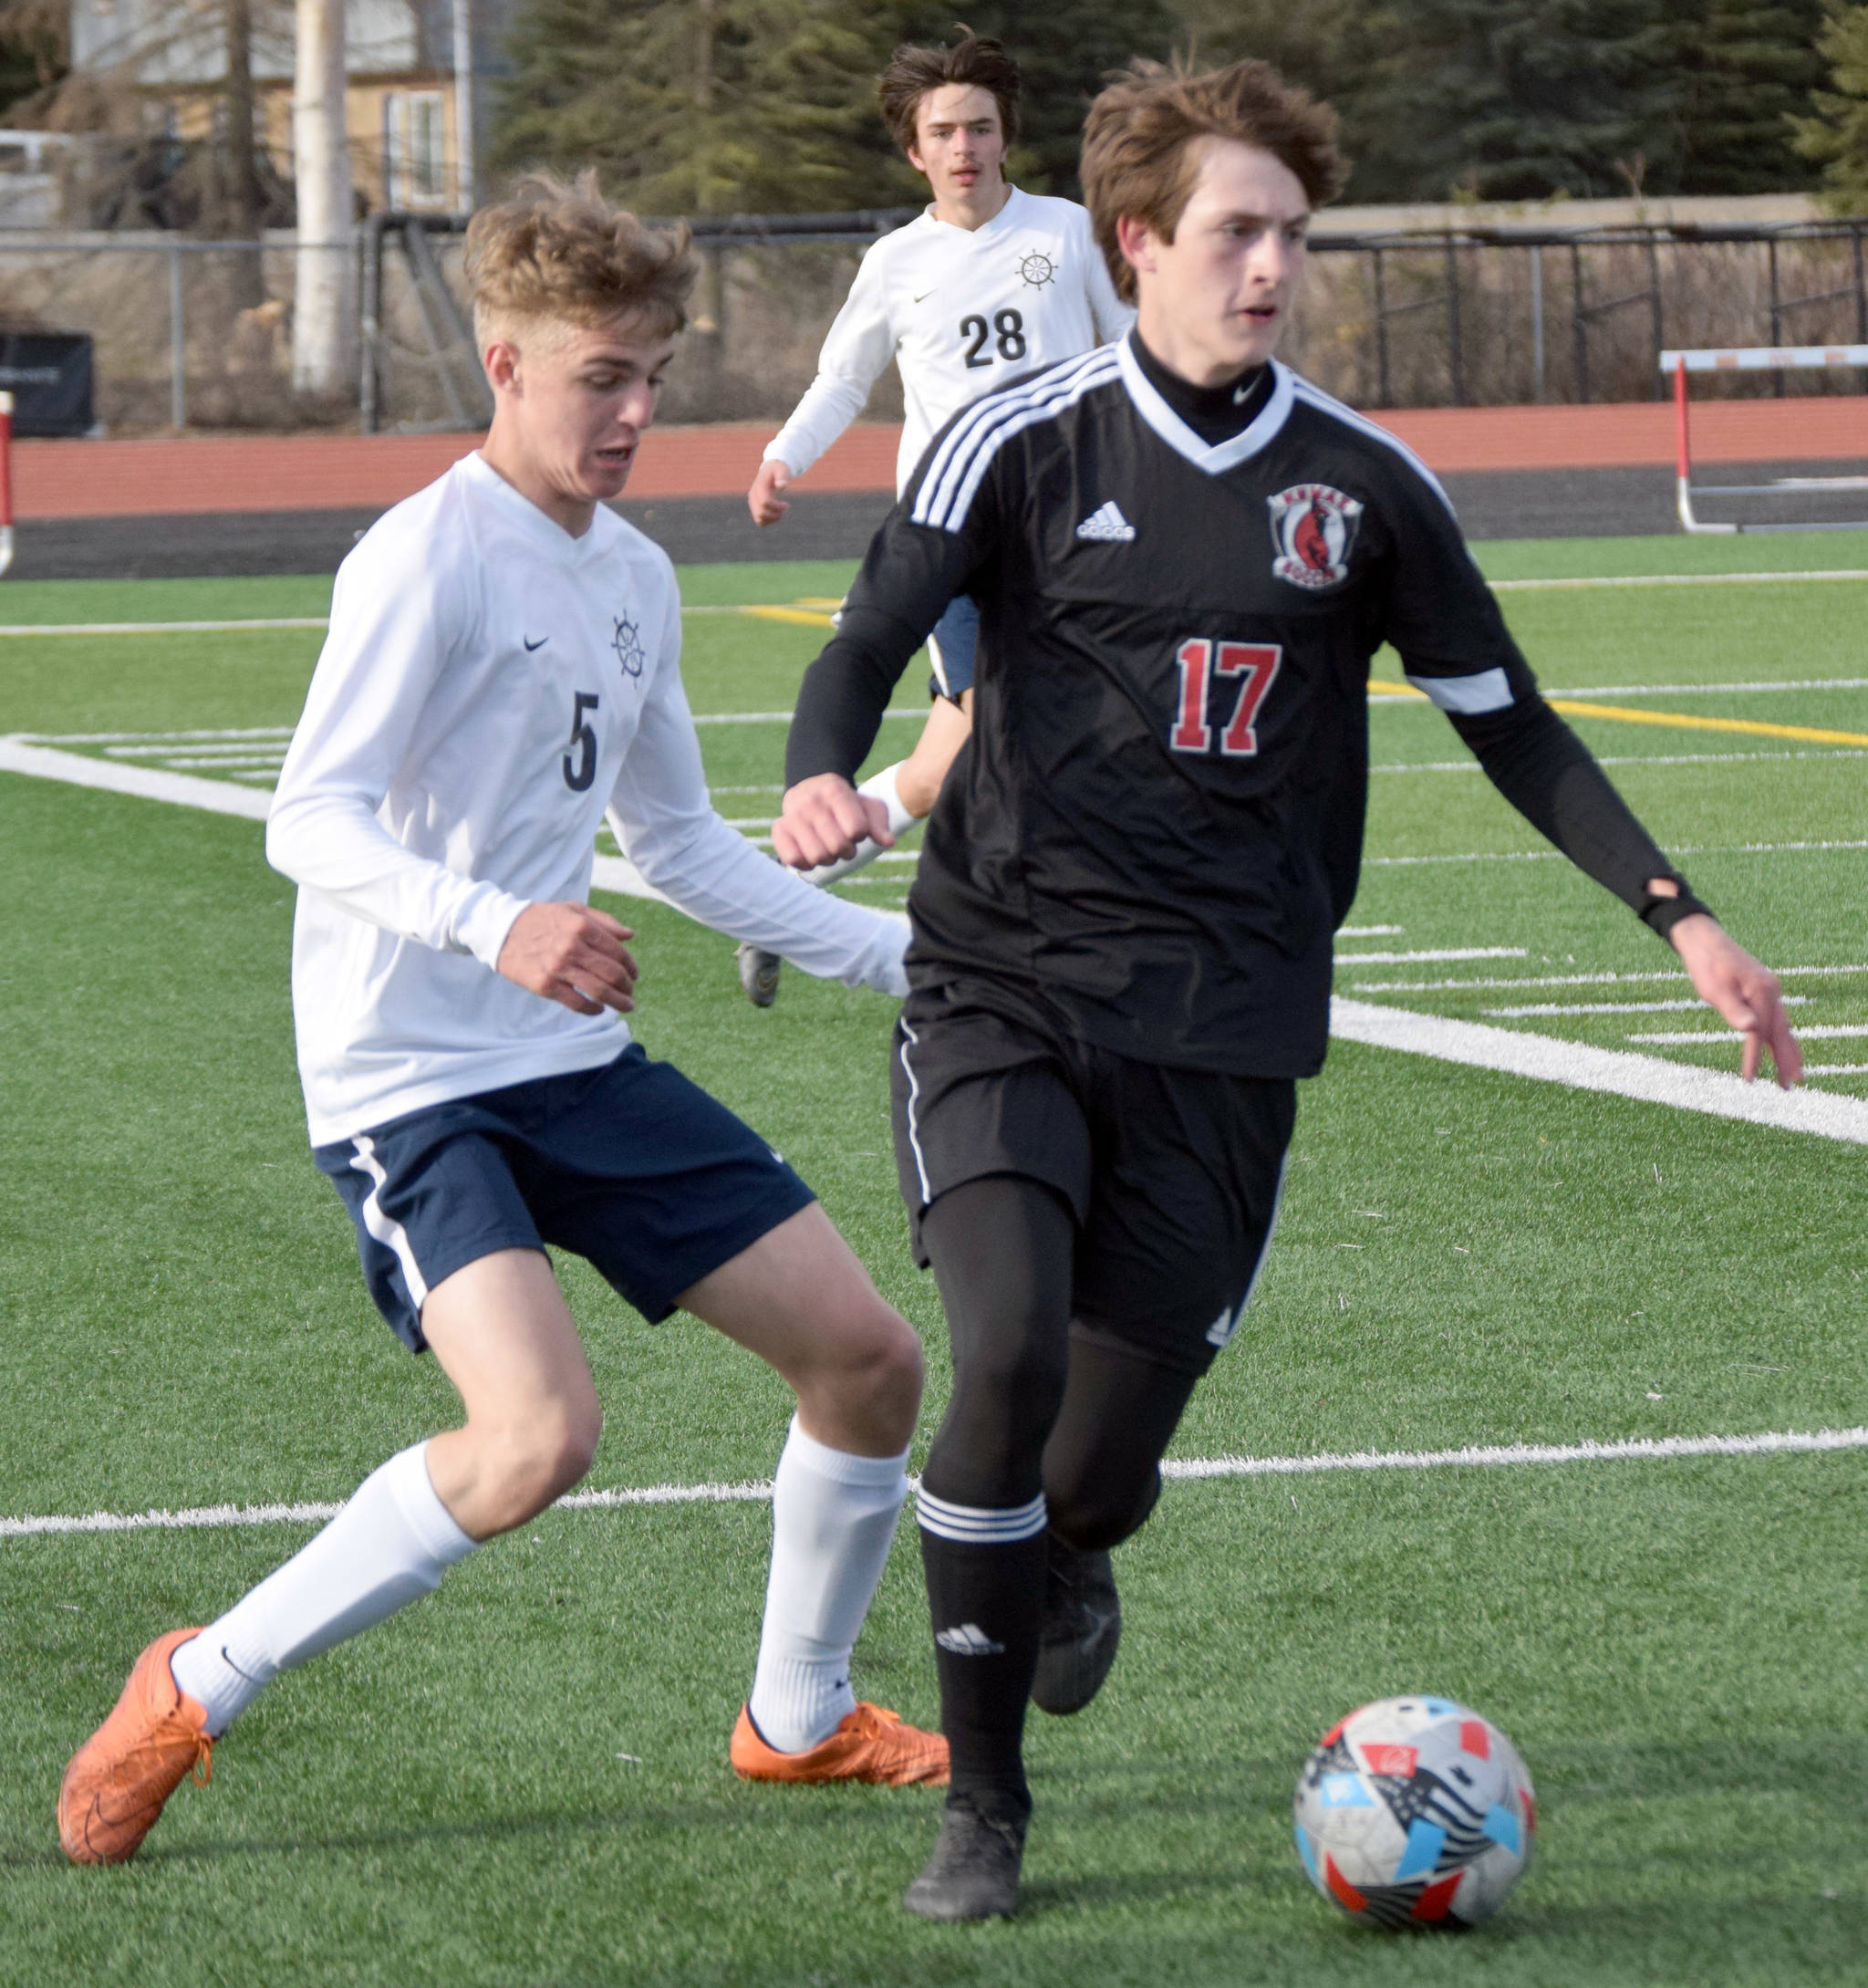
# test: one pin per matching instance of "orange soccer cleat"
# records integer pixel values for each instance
(119, 1779)
(870, 1745)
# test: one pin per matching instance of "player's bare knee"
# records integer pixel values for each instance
(870, 1376)
(539, 1459)
(885, 1368)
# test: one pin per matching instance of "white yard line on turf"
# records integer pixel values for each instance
(1443, 952)
(1566, 980)
(1704, 690)
(1619, 1072)
(1555, 856)
(1631, 1449)
(1673, 579)
(1535, 1009)
(216, 797)
(1195, 1469)
(1633, 759)
(164, 628)
(1721, 1038)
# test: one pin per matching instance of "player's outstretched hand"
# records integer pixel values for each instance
(1725, 977)
(573, 954)
(763, 500)
(825, 818)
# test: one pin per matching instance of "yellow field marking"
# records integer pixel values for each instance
(801, 614)
(809, 618)
(1673, 720)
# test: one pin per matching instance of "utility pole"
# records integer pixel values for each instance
(466, 175)
(321, 317)
(242, 142)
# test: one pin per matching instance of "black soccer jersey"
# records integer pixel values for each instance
(1157, 824)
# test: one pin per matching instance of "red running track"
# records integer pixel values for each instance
(207, 474)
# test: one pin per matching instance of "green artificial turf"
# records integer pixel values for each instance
(523, 1780)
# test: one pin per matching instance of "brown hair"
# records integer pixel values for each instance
(913, 73)
(1138, 156)
(560, 253)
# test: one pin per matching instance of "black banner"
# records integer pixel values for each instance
(48, 374)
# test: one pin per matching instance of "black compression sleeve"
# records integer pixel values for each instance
(844, 693)
(1549, 776)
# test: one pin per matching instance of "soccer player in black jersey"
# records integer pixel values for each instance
(1185, 557)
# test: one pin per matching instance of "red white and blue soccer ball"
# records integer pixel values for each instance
(1414, 1812)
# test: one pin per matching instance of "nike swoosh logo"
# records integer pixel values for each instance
(540, 643)
(926, 295)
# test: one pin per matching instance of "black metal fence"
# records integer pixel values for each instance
(196, 333)
(1509, 314)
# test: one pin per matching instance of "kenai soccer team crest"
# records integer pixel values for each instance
(1313, 528)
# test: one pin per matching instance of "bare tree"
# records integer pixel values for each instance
(321, 317)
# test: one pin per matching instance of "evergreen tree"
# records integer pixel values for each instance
(1836, 138)
(1320, 45)
(699, 107)
(1743, 69)
(35, 47)
(1509, 99)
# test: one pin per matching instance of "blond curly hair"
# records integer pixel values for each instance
(556, 253)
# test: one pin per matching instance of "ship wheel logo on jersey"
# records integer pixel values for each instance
(1037, 269)
(1312, 529)
(627, 645)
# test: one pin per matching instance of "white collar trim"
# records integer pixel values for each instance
(1217, 457)
(986, 230)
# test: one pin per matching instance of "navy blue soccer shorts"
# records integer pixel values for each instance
(950, 648)
(629, 1165)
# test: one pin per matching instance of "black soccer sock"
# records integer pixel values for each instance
(986, 1602)
(1001, 1250)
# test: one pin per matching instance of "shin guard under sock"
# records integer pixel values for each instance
(986, 1594)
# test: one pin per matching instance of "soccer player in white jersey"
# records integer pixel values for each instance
(987, 283)
(503, 663)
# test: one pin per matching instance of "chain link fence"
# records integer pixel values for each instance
(196, 334)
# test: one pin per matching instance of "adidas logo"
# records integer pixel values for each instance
(970, 1641)
(1107, 523)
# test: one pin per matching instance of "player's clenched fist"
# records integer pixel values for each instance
(573, 954)
(824, 820)
(764, 499)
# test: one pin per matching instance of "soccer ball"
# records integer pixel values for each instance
(1414, 1812)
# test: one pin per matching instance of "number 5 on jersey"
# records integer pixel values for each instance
(580, 762)
(1200, 661)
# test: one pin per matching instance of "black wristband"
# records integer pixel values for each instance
(1661, 914)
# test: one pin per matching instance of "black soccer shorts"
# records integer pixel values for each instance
(1174, 1175)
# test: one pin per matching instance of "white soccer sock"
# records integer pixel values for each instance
(878, 786)
(388, 1546)
(832, 1516)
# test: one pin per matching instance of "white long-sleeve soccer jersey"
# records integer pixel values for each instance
(961, 311)
(489, 684)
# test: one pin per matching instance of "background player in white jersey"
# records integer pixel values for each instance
(986, 284)
(502, 662)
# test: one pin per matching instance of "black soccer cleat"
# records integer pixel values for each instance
(758, 975)
(1082, 1629)
(973, 1872)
